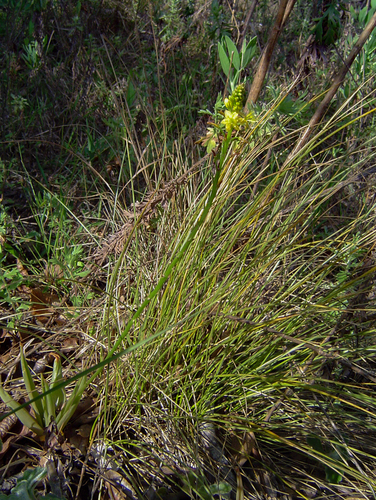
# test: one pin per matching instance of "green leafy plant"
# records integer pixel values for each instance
(46, 407)
(364, 66)
(196, 484)
(332, 475)
(328, 27)
(233, 62)
(173, 20)
(26, 484)
(10, 279)
(32, 55)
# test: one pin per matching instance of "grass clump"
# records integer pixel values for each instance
(258, 343)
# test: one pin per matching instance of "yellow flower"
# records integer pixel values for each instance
(233, 120)
(230, 120)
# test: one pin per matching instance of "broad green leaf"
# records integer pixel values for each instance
(203, 492)
(362, 15)
(244, 47)
(220, 489)
(332, 476)
(234, 51)
(248, 56)
(225, 63)
(131, 93)
(318, 30)
(24, 489)
(315, 442)
(21, 492)
(21, 413)
(33, 476)
(287, 106)
(251, 45)
(31, 390)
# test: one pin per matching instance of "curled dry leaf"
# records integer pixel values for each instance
(7, 424)
(25, 431)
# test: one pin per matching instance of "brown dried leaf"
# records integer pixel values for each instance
(40, 302)
(69, 344)
(84, 430)
(79, 442)
(25, 431)
(242, 447)
(7, 424)
(86, 412)
(53, 272)
(53, 437)
(22, 269)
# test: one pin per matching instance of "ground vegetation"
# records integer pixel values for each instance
(187, 249)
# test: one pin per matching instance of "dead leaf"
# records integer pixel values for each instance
(242, 447)
(84, 430)
(7, 424)
(53, 272)
(40, 304)
(53, 437)
(22, 269)
(69, 344)
(118, 486)
(25, 431)
(86, 412)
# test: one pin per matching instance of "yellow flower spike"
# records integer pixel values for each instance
(234, 118)
(236, 100)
